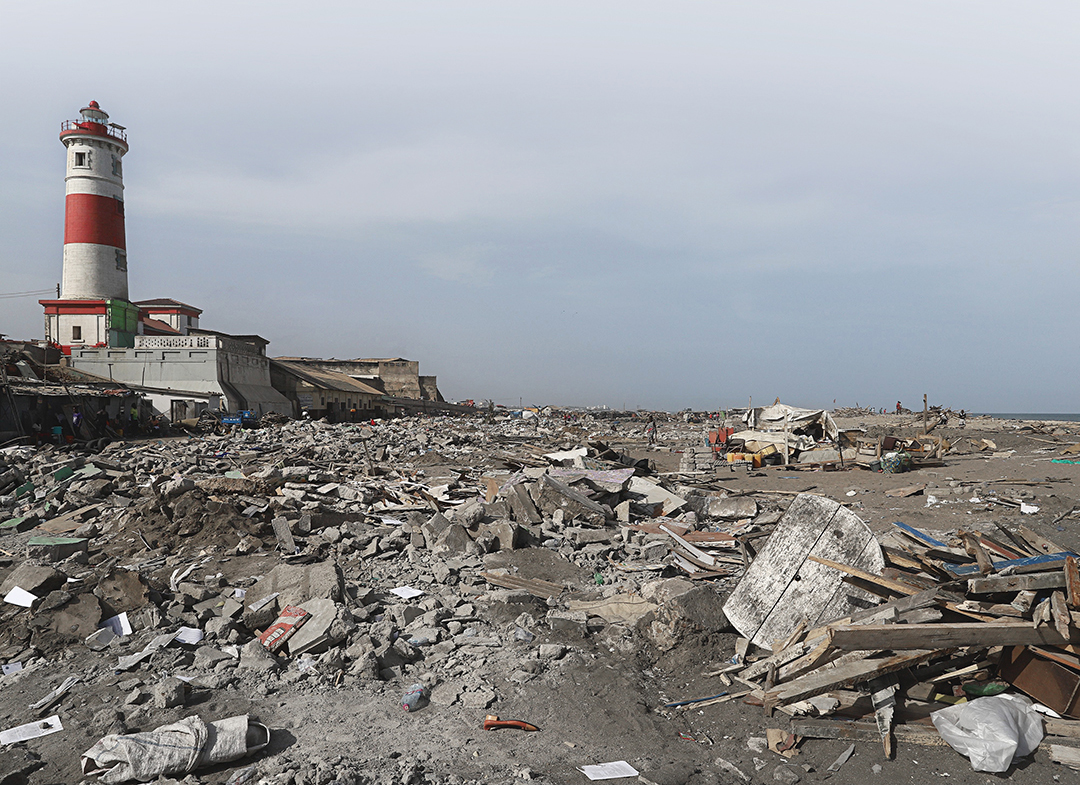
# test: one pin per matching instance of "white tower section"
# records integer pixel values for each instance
(95, 250)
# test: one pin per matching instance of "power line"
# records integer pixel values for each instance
(34, 293)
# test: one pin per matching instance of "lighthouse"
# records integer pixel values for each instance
(93, 308)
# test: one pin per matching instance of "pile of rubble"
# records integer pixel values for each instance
(315, 557)
(840, 623)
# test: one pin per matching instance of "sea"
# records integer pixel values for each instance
(1030, 416)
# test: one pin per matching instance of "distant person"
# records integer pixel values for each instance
(898, 407)
(963, 419)
(650, 430)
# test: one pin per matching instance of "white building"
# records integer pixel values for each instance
(193, 370)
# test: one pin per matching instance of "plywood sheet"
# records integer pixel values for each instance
(780, 588)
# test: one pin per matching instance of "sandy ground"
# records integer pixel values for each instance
(604, 700)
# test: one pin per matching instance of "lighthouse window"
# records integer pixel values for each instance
(119, 205)
(116, 167)
(76, 333)
(82, 159)
(121, 260)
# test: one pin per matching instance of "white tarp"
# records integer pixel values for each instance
(815, 422)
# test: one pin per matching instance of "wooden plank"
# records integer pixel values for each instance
(1059, 612)
(926, 539)
(534, 586)
(866, 731)
(896, 586)
(781, 587)
(910, 490)
(1066, 728)
(1068, 756)
(904, 637)
(1040, 542)
(1049, 559)
(1017, 540)
(974, 548)
(901, 559)
(850, 599)
(1072, 583)
(1000, 548)
(841, 674)
(997, 584)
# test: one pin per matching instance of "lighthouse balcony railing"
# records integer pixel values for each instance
(98, 129)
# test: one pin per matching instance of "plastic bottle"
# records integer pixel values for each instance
(412, 697)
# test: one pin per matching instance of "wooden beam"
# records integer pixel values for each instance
(841, 674)
(1059, 611)
(1069, 756)
(896, 586)
(1040, 542)
(996, 584)
(975, 548)
(1072, 583)
(904, 637)
(866, 731)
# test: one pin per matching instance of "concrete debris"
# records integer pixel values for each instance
(532, 549)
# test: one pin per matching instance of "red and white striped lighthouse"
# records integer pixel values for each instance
(95, 251)
(93, 307)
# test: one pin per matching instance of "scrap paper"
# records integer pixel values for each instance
(31, 730)
(119, 625)
(609, 771)
(20, 597)
(189, 635)
(406, 592)
(11, 668)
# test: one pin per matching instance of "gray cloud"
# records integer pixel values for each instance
(586, 203)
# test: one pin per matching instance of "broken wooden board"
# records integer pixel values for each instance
(534, 586)
(1011, 583)
(909, 490)
(902, 637)
(1067, 756)
(842, 674)
(1050, 560)
(781, 587)
(866, 731)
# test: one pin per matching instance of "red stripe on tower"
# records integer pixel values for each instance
(90, 218)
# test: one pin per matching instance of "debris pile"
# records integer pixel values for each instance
(446, 553)
(882, 635)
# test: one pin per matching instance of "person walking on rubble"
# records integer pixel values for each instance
(650, 430)
(898, 407)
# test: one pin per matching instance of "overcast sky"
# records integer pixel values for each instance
(645, 204)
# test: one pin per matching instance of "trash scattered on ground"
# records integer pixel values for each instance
(473, 563)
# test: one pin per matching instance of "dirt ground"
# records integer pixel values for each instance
(604, 699)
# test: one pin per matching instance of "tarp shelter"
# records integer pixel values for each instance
(815, 423)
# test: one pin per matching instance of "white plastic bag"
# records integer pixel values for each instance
(991, 731)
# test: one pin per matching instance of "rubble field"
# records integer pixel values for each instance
(563, 572)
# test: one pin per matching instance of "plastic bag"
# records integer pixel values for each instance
(991, 731)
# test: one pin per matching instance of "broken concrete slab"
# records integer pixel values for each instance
(328, 624)
(521, 505)
(455, 541)
(296, 584)
(35, 578)
(554, 495)
(54, 549)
